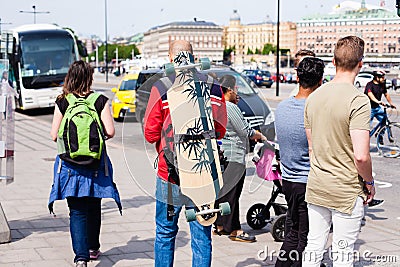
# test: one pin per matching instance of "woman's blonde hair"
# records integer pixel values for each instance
(79, 78)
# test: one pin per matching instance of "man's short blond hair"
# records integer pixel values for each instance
(301, 54)
(348, 52)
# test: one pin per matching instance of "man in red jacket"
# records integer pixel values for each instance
(158, 130)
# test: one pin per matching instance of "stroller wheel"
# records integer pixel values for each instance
(278, 228)
(257, 216)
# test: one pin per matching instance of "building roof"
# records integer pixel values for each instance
(137, 38)
(193, 23)
(353, 10)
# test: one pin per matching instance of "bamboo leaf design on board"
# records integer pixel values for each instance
(195, 147)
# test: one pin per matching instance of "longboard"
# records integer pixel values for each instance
(195, 143)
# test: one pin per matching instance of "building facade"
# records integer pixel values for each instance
(205, 37)
(247, 38)
(378, 26)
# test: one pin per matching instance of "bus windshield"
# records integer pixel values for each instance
(45, 58)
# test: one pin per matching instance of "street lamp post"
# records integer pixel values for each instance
(105, 25)
(277, 52)
(34, 12)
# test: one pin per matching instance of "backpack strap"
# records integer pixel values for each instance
(71, 99)
(92, 98)
(166, 82)
(170, 206)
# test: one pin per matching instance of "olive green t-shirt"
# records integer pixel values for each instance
(331, 112)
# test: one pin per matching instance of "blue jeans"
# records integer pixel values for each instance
(166, 230)
(84, 225)
(379, 114)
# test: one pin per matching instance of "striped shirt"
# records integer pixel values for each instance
(236, 140)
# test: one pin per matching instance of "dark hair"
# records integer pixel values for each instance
(227, 81)
(348, 52)
(310, 72)
(79, 78)
(302, 53)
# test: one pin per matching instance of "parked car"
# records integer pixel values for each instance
(362, 79)
(123, 103)
(254, 108)
(291, 77)
(259, 77)
(145, 81)
(282, 78)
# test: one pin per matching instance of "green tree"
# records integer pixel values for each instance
(227, 54)
(268, 48)
(257, 52)
(249, 52)
(124, 51)
(228, 51)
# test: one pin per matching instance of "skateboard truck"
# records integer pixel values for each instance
(170, 68)
(224, 208)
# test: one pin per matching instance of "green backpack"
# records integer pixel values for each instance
(80, 136)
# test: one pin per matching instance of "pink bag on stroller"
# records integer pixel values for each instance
(264, 160)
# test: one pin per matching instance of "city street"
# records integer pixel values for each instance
(38, 239)
(40, 44)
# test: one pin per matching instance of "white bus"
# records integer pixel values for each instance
(40, 58)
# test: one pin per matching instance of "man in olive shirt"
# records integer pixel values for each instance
(336, 119)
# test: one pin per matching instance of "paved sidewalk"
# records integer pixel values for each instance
(39, 239)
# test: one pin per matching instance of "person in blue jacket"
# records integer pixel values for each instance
(83, 185)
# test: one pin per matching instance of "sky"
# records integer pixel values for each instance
(127, 17)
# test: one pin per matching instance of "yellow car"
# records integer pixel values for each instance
(123, 104)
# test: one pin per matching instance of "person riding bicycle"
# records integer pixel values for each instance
(375, 89)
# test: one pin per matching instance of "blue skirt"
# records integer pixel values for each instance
(75, 181)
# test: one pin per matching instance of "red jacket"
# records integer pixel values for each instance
(157, 119)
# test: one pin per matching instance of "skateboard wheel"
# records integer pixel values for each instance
(169, 68)
(190, 215)
(205, 63)
(225, 208)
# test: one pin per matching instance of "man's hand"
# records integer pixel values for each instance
(370, 191)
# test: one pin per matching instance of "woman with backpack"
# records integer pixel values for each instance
(83, 173)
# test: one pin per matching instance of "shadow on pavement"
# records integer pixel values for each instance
(135, 202)
(44, 224)
(21, 229)
(269, 261)
(137, 248)
(370, 212)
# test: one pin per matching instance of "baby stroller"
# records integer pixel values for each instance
(266, 158)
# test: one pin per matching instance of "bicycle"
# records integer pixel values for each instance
(387, 135)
